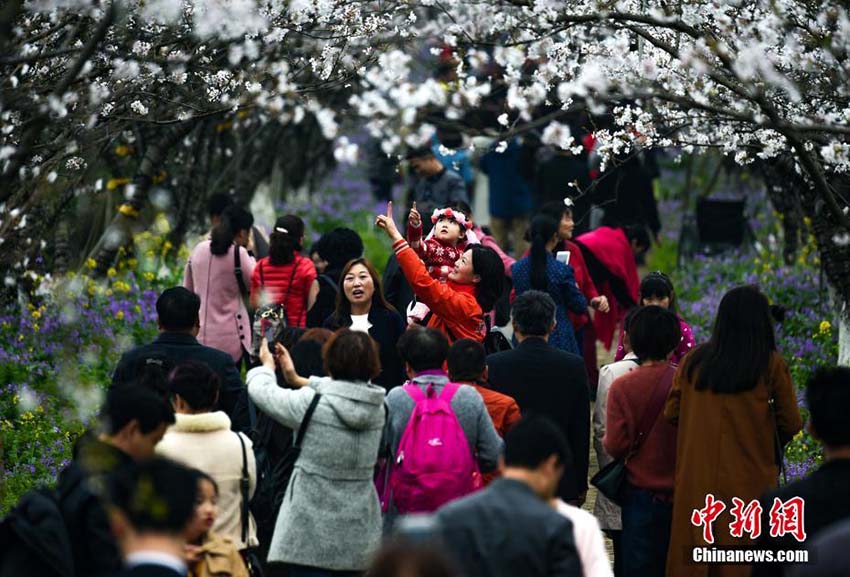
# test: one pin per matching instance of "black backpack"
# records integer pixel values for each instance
(495, 341)
(34, 539)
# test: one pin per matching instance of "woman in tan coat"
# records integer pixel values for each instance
(726, 432)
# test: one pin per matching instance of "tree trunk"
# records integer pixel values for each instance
(119, 232)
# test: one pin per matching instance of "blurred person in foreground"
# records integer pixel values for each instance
(509, 528)
(132, 420)
(151, 506)
(825, 491)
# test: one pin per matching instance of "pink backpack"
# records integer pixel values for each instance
(433, 463)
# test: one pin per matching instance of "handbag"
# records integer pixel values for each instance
(610, 480)
(271, 486)
(271, 316)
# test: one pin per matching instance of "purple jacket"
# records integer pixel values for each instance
(225, 324)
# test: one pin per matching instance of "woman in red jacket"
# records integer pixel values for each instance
(285, 276)
(458, 306)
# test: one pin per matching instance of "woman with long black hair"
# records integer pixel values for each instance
(217, 270)
(735, 407)
(542, 271)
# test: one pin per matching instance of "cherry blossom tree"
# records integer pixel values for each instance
(761, 81)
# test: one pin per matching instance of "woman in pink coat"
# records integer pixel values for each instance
(211, 273)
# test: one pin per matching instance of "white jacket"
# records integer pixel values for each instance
(205, 442)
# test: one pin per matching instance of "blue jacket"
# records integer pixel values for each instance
(510, 195)
(563, 290)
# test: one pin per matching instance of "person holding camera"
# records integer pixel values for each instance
(330, 520)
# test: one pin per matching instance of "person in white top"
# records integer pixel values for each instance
(590, 543)
(608, 513)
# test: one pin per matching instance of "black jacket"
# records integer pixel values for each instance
(506, 530)
(387, 328)
(550, 382)
(829, 554)
(34, 540)
(80, 486)
(826, 497)
(325, 303)
(179, 347)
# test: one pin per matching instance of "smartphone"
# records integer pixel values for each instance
(267, 330)
(563, 256)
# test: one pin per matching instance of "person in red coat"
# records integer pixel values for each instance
(458, 306)
(285, 277)
(610, 255)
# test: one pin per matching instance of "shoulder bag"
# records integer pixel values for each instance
(611, 479)
(270, 317)
(778, 449)
(272, 480)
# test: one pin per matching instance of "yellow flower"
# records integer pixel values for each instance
(91, 263)
(119, 315)
(122, 150)
(111, 272)
(149, 276)
(36, 314)
(121, 286)
(132, 263)
(138, 309)
(114, 183)
(824, 327)
(35, 327)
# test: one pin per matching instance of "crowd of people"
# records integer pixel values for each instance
(389, 433)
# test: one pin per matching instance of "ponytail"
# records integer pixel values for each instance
(543, 228)
(233, 220)
(285, 239)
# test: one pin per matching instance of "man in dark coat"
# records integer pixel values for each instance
(510, 528)
(824, 493)
(547, 381)
(434, 186)
(177, 312)
(153, 503)
(135, 419)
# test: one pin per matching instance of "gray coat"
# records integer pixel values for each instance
(330, 517)
(438, 191)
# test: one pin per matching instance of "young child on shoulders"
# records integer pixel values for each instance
(207, 553)
(656, 288)
(441, 249)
